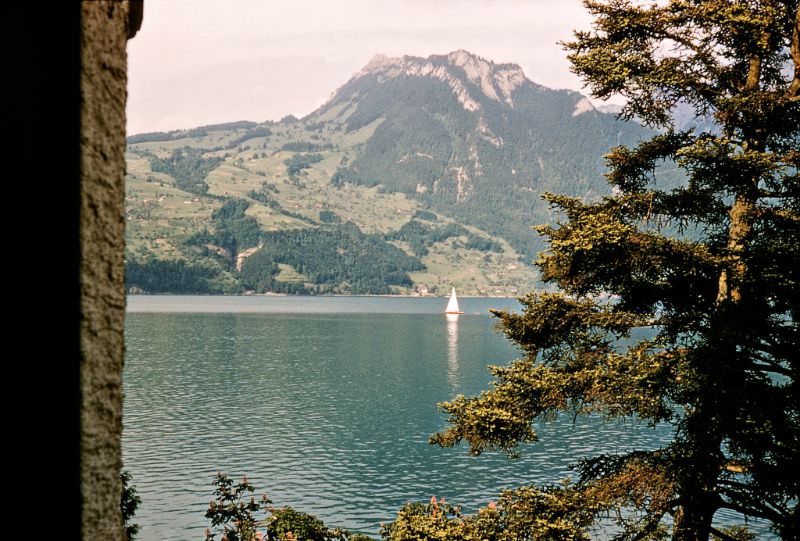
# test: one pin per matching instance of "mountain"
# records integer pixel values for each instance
(474, 139)
(417, 174)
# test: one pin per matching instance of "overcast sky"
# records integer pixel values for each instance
(197, 62)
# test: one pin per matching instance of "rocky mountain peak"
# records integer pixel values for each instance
(376, 63)
(497, 81)
(463, 71)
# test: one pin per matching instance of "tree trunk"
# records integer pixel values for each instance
(698, 471)
(742, 213)
(694, 517)
(698, 477)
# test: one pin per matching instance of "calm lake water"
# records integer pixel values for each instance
(325, 403)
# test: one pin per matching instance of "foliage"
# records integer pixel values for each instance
(482, 244)
(266, 196)
(233, 509)
(129, 503)
(340, 259)
(201, 131)
(235, 231)
(719, 362)
(553, 513)
(222, 126)
(263, 194)
(299, 162)
(420, 237)
(259, 272)
(252, 131)
(150, 137)
(305, 146)
(425, 215)
(168, 276)
(188, 167)
(231, 209)
(233, 514)
(340, 176)
(260, 131)
(737, 533)
(434, 521)
(287, 524)
(329, 217)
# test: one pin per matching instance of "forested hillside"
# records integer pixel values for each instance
(418, 175)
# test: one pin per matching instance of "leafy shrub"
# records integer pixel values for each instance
(129, 503)
(556, 513)
(232, 513)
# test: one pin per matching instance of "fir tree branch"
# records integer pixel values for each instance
(758, 508)
(769, 365)
(722, 535)
(793, 93)
(774, 368)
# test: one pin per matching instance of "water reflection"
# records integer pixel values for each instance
(452, 351)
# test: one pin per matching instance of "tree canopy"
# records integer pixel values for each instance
(710, 267)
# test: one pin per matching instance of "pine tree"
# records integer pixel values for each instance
(710, 267)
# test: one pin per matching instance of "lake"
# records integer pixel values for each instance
(325, 403)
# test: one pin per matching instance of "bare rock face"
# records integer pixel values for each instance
(468, 75)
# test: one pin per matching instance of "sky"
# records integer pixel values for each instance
(199, 62)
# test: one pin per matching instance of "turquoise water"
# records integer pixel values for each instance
(325, 403)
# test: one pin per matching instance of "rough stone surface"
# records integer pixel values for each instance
(103, 94)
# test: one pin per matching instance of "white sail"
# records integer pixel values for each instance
(452, 304)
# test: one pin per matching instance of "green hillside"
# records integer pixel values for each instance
(260, 216)
(408, 180)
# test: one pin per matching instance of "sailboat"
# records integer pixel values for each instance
(452, 304)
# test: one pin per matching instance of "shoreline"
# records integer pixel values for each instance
(324, 295)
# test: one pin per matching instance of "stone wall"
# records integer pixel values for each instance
(106, 25)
